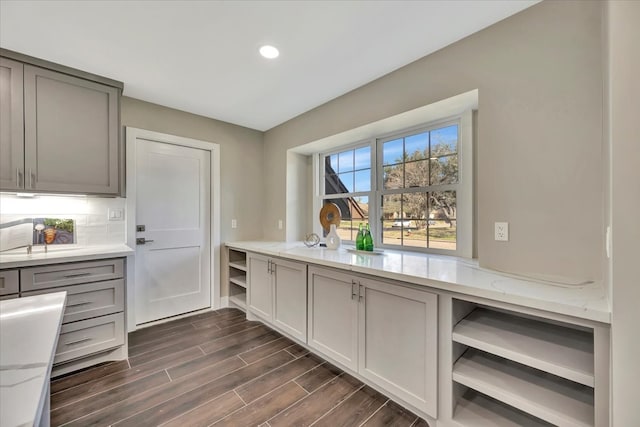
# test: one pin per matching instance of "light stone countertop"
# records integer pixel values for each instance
(459, 275)
(61, 253)
(29, 329)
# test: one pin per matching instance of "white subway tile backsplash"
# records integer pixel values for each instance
(90, 214)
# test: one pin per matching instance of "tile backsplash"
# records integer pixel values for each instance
(91, 214)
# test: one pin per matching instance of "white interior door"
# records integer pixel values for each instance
(173, 267)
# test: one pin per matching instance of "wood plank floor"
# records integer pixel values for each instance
(219, 369)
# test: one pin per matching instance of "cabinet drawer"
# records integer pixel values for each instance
(90, 300)
(8, 282)
(51, 276)
(86, 337)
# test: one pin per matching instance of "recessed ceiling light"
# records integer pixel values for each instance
(269, 52)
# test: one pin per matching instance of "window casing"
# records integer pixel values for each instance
(414, 187)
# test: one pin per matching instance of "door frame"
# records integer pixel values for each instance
(132, 134)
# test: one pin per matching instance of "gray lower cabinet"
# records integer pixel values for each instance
(9, 284)
(333, 315)
(278, 293)
(93, 327)
(58, 132)
(386, 333)
(260, 293)
(398, 341)
(79, 339)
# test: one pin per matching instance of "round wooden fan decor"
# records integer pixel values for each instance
(330, 214)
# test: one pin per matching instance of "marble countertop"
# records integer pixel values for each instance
(29, 329)
(460, 275)
(65, 253)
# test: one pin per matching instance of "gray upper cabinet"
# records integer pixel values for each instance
(60, 129)
(11, 125)
(71, 133)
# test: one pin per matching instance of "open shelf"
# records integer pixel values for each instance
(562, 351)
(240, 300)
(240, 281)
(240, 264)
(238, 278)
(476, 409)
(538, 393)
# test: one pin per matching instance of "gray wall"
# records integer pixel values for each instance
(539, 75)
(241, 160)
(624, 91)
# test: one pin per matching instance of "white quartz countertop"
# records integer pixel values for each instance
(59, 254)
(29, 329)
(460, 275)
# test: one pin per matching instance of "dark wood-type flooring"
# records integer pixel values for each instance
(219, 369)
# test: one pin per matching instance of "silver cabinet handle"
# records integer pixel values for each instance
(360, 292)
(353, 292)
(142, 241)
(32, 179)
(77, 341)
(69, 276)
(76, 304)
(19, 178)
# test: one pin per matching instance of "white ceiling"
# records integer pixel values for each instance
(201, 56)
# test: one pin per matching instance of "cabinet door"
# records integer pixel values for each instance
(9, 282)
(290, 298)
(398, 342)
(11, 126)
(260, 287)
(333, 316)
(71, 133)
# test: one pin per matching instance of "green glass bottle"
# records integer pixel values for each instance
(368, 239)
(360, 238)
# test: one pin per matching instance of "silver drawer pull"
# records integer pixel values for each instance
(77, 341)
(75, 304)
(68, 276)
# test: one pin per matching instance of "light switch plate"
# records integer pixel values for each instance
(115, 214)
(234, 223)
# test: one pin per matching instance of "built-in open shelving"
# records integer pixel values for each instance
(546, 396)
(552, 348)
(239, 299)
(478, 410)
(238, 278)
(240, 264)
(511, 368)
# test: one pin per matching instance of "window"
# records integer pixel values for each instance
(347, 183)
(421, 196)
(418, 188)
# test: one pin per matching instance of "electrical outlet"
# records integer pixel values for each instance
(234, 223)
(279, 224)
(502, 231)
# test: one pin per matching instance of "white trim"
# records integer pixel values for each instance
(463, 188)
(132, 134)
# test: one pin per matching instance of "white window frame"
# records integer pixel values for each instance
(464, 187)
(371, 194)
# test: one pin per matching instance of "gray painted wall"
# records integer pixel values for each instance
(624, 106)
(241, 160)
(539, 75)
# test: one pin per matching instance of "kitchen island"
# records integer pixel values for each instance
(29, 329)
